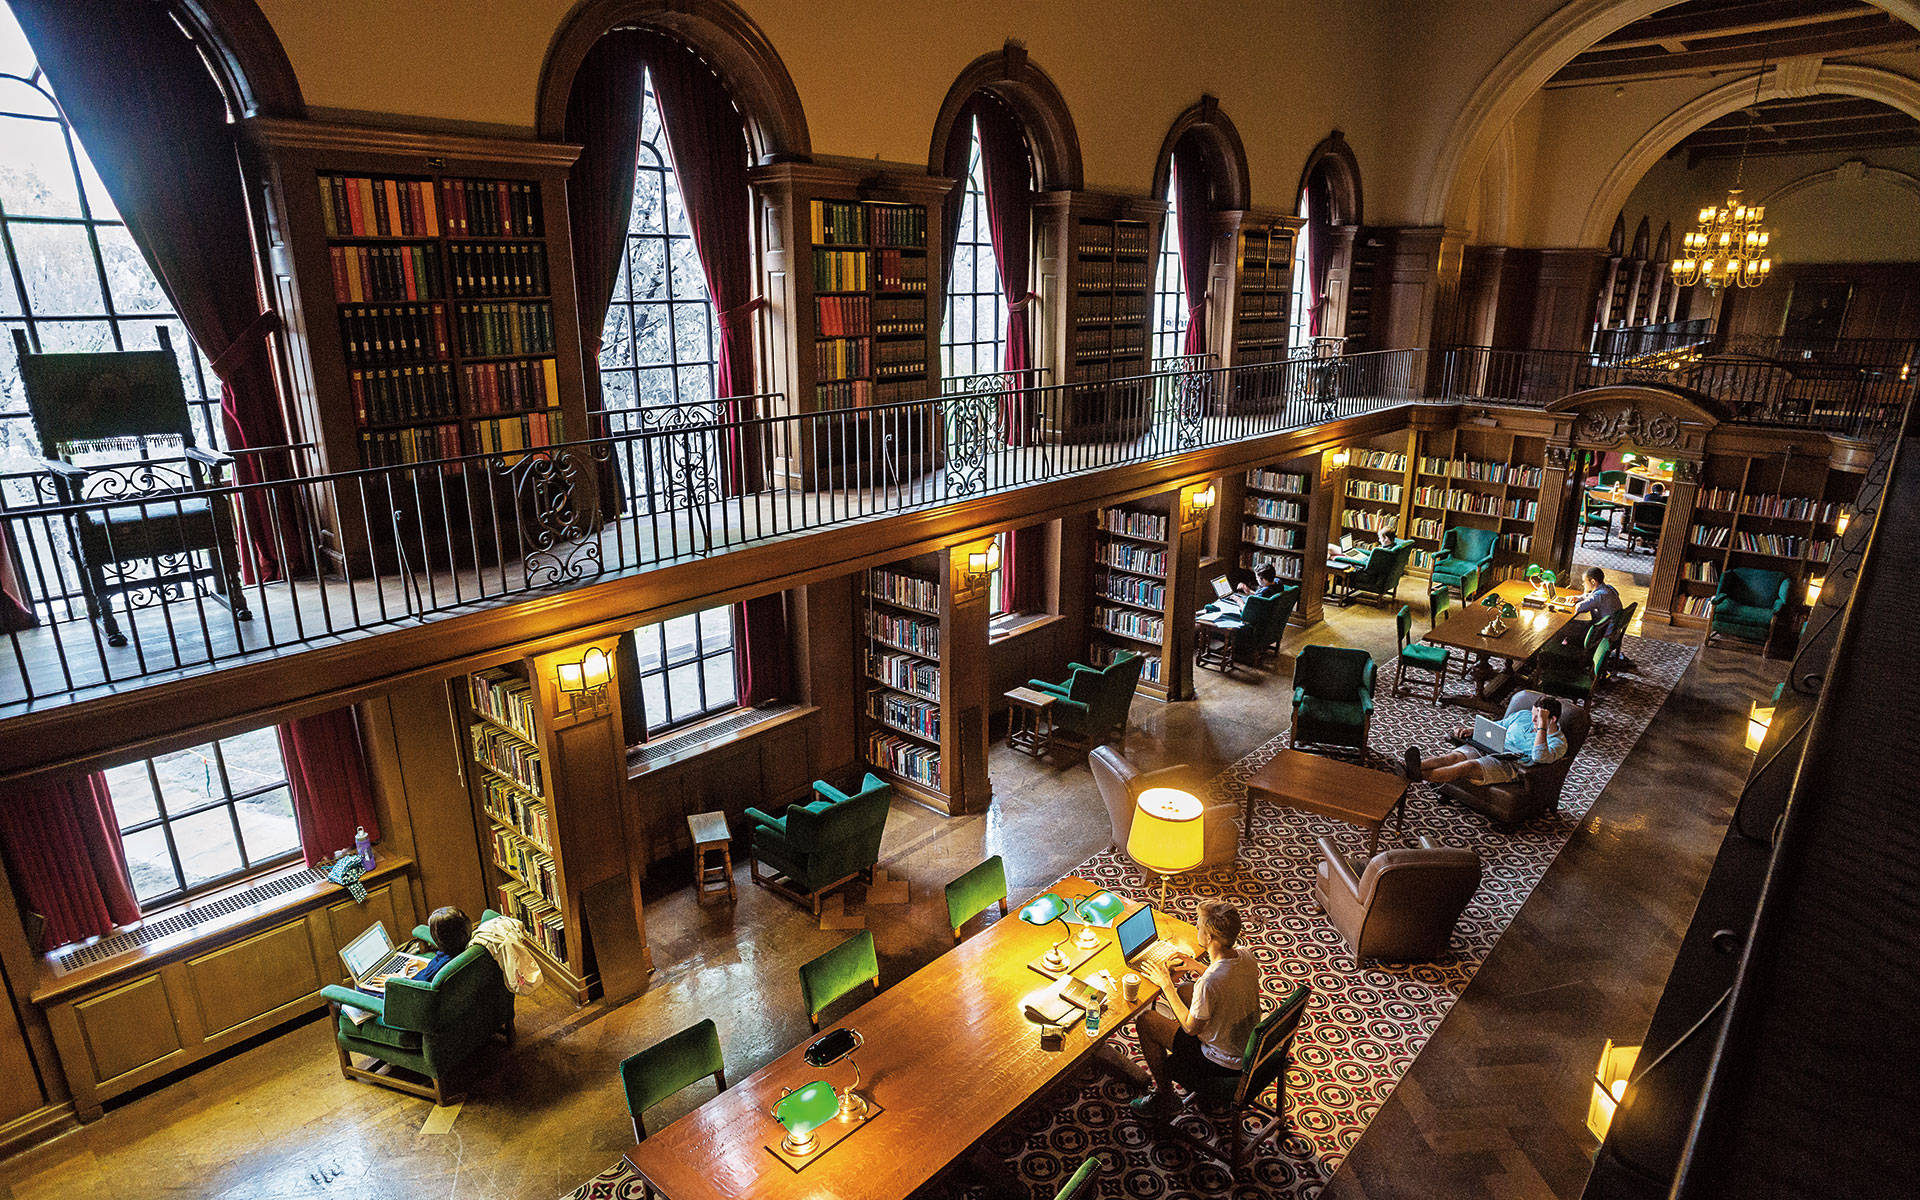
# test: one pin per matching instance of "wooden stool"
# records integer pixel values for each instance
(709, 831)
(1030, 721)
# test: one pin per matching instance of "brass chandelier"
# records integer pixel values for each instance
(1729, 249)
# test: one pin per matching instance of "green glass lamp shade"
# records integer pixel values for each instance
(805, 1109)
(1044, 909)
(1533, 572)
(1490, 600)
(1102, 908)
(1508, 611)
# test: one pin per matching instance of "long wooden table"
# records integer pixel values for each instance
(1526, 634)
(949, 1055)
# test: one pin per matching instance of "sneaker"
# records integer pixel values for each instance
(1411, 765)
(1149, 1102)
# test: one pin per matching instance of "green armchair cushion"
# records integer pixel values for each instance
(1092, 702)
(1747, 601)
(1463, 554)
(971, 894)
(430, 1028)
(668, 1065)
(1332, 695)
(821, 843)
(1424, 654)
(839, 971)
(1385, 566)
(1332, 712)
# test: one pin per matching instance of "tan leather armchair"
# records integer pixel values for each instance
(1402, 905)
(1120, 782)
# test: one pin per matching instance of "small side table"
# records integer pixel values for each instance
(1030, 721)
(709, 831)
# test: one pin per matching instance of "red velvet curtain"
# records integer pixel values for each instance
(1008, 169)
(327, 772)
(62, 842)
(16, 603)
(1319, 234)
(761, 656)
(1193, 197)
(154, 123)
(1023, 568)
(953, 165)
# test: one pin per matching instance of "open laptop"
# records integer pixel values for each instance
(1139, 939)
(1221, 588)
(1489, 736)
(371, 960)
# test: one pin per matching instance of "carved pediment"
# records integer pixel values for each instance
(1630, 417)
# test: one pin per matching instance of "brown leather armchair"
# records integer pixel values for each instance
(1120, 783)
(1402, 905)
(1537, 790)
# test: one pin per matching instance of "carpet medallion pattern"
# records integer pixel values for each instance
(1364, 1024)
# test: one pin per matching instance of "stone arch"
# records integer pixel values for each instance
(1333, 160)
(1220, 143)
(721, 33)
(1015, 80)
(1852, 169)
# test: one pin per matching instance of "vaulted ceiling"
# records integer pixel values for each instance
(1709, 37)
(1809, 125)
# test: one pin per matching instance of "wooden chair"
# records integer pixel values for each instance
(972, 893)
(1439, 600)
(1263, 1070)
(1418, 655)
(669, 1066)
(839, 971)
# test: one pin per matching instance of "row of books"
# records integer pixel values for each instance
(1481, 470)
(1520, 543)
(508, 805)
(511, 387)
(1378, 460)
(1287, 566)
(503, 696)
(908, 591)
(908, 760)
(1129, 622)
(526, 432)
(1696, 606)
(1268, 306)
(1141, 560)
(1290, 482)
(391, 335)
(512, 756)
(1099, 342)
(845, 316)
(1521, 510)
(483, 270)
(400, 447)
(545, 922)
(1368, 489)
(362, 206)
(1149, 525)
(1711, 536)
(1487, 504)
(851, 223)
(515, 327)
(918, 717)
(899, 315)
(1132, 589)
(894, 271)
(1779, 545)
(1701, 570)
(1276, 510)
(533, 866)
(860, 393)
(904, 633)
(842, 358)
(1365, 520)
(372, 274)
(492, 208)
(1103, 276)
(1791, 508)
(842, 271)
(1149, 663)
(1103, 237)
(1427, 529)
(385, 396)
(906, 673)
(1272, 538)
(1111, 308)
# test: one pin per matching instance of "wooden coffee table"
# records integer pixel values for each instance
(1314, 783)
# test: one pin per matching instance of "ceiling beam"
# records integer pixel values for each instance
(1767, 17)
(1591, 69)
(1877, 141)
(1728, 135)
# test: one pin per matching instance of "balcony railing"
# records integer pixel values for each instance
(1639, 341)
(378, 548)
(1836, 351)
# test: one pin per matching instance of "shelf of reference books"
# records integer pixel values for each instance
(1108, 329)
(1264, 294)
(1130, 569)
(903, 703)
(1273, 525)
(870, 301)
(502, 745)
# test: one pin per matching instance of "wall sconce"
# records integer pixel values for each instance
(1813, 590)
(1202, 500)
(1841, 522)
(981, 563)
(1610, 1080)
(1341, 458)
(1758, 719)
(584, 683)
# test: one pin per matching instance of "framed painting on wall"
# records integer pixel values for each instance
(1816, 310)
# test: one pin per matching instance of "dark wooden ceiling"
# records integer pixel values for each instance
(1812, 125)
(1708, 37)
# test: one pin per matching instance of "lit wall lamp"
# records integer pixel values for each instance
(1813, 589)
(1759, 717)
(981, 563)
(1341, 458)
(1841, 522)
(1610, 1080)
(584, 683)
(1202, 500)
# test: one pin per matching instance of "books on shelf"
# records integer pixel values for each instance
(509, 387)
(1701, 570)
(492, 208)
(1521, 510)
(842, 358)
(1427, 529)
(505, 698)
(1366, 520)
(904, 633)
(1149, 663)
(391, 334)
(908, 591)
(1695, 606)
(1286, 566)
(529, 431)
(507, 753)
(367, 206)
(1131, 589)
(1713, 537)
(841, 271)
(1141, 560)
(1269, 509)
(1272, 538)
(1129, 622)
(1481, 470)
(513, 327)
(388, 396)
(545, 922)
(1776, 545)
(377, 274)
(906, 673)
(909, 760)
(918, 717)
(1367, 489)
(485, 270)
(399, 447)
(1519, 543)
(1290, 482)
(1377, 460)
(845, 316)
(510, 805)
(1789, 508)
(1147, 525)
(527, 863)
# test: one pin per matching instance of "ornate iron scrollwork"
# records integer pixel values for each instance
(975, 427)
(556, 494)
(1193, 397)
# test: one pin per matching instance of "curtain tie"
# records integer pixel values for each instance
(1020, 305)
(739, 315)
(256, 330)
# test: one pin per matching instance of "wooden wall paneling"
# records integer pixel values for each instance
(20, 1089)
(963, 682)
(1220, 547)
(1482, 295)
(30, 1076)
(1313, 579)
(423, 781)
(823, 617)
(1183, 594)
(1562, 308)
(114, 1034)
(238, 983)
(1073, 597)
(1415, 285)
(1338, 303)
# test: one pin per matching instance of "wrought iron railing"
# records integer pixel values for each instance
(1639, 341)
(1834, 351)
(366, 550)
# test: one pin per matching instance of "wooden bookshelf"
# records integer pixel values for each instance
(1773, 511)
(1263, 293)
(1146, 564)
(1282, 516)
(1112, 300)
(923, 715)
(1478, 477)
(1362, 269)
(1095, 263)
(1375, 485)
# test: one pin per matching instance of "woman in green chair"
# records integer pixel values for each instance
(452, 932)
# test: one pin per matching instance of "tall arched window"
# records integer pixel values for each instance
(1169, 287)
(973, 337)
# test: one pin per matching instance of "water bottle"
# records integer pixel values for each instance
(363, 847)
(1093, 1018)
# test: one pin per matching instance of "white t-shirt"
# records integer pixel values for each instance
(1226, 1007)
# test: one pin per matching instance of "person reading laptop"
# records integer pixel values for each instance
(1498, 751)
(1207, 1033)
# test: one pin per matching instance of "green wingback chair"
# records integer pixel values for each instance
(1381, 576)
(815, 847)
(430, 1029)
(1092, 704)
(1258, 629)
(1747, 603)
(1332, 697)
(1645, 520)
(1464, 554)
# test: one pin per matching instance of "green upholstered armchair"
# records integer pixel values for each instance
(1332, 697)
(1747, 603)
(1464, 554)
(1262, 1072)
(1381, 576)
(430, 1029)
(815, 847)
(1262, 627)
(1092, 704)
(1592, 518)
(1577, 676)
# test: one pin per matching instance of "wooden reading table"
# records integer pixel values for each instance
(949, 1055)
(1526, 634)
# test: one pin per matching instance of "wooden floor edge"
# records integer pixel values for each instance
(41, 1125)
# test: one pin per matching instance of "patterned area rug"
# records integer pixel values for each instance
(1365, 1024)
(1615, 558)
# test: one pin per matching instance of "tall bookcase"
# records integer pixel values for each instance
(923, 637)
(1095, 266)
(425, 285)
(870, 302)
(1480, 478)
(1378, 476)
(1362, 270)
(1146, 563)
(1263, 293)
(547, 777)
(1111, 302)
(1775, 512)
(1276, 521)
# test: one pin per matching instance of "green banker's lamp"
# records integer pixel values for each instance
(803, 1110)
(1502, 613)
(1543, 581)
(1045, 910)
(1100, 909)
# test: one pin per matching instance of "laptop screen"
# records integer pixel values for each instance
(1490, 734)
(1220, 585)
(1136, 931)
(367, 951)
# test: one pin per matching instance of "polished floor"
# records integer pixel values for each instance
(1491, 1108)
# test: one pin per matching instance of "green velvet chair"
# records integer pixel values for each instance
(1380, 578)
(1252, 635)
(1592, 518)
(1439, 600)
(971, 894)
(1747, 603)
(669, 1066)
(1464, 555)
(1263, 1070)
(837, 972)
(1576, 677)
(813, 848)
(1092, 704)
(1645, 520)
(1332, 697)
(1079, 1184)
(1421, 656)
(1612, 479)
(430, 1029)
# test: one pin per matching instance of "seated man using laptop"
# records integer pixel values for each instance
(1211, 1019)
(1496, 751)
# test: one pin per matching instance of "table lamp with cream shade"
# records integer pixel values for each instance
(1166, 837)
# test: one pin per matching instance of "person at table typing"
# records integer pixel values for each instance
(1211, 1018)
(1599, 601)
(1533, 737)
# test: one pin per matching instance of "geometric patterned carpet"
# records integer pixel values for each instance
(1637, 566)
(1364, 1025)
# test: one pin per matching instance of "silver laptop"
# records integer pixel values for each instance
(1139, 938)
(371, 960)
(1221, 587)
(1489, 736)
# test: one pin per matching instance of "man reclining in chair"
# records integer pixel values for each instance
(1533, 737)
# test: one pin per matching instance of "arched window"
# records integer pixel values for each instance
(973, 337)
(1169, 287)
(1300, 310)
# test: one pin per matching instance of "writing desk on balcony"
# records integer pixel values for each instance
(948, 1057)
